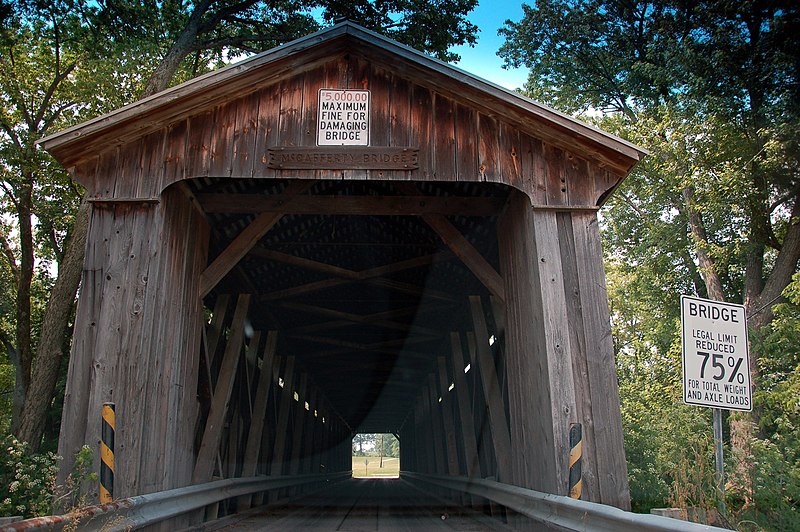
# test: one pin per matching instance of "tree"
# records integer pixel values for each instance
(207, 31)
(40, 91)
(360, 441)
(711, 88)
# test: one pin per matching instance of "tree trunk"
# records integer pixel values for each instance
(707, 267)
(183, 45)
(51, 341)
(24, 358)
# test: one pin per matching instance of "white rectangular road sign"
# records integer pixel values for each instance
(716, 366)
(343, 117)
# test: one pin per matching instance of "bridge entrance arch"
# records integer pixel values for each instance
(253, 295)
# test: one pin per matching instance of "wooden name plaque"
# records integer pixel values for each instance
(343, 158)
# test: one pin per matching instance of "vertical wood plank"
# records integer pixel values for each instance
(400, 104)
(541, 388)
(221, 146)
(380, 129)
(267, 129)
(510, 155)
(421, 128)
(183, 385)
(212, 435)
(534, 169)
(129, 171)
(175, 151)
(577, 342)
(488, 149)
(198, 145)
(557, 193)
(150, 183)
(419, 440)
(466, 133)
(607, 421)
(444, 142)
(244, 136)
(580, 183)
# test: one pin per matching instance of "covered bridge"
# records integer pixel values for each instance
(344, 235)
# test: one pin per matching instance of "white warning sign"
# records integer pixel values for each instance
(343, 118)
(716, 366)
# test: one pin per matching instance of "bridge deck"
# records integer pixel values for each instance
(363, 504)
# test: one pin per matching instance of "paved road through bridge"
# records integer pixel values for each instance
(363, 504)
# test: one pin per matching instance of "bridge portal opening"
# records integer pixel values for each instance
(356, 304)
(376, 456)
(365, 278)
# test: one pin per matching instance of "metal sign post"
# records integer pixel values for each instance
(716, 364)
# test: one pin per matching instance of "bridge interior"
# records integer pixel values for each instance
(368, 294)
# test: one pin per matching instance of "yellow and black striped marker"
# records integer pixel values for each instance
(107, 454)
(575, 459)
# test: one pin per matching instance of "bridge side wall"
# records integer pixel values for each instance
(559, 356)
(137, 333)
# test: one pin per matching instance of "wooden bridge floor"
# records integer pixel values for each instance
(360, 505)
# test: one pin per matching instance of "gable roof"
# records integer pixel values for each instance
(78, 143)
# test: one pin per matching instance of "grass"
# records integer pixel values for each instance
(373, 469)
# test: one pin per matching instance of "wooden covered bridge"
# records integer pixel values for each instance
(344, 235)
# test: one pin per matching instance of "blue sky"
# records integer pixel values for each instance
(482, 60)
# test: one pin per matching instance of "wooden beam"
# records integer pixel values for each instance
(253, 446)
(460, 246)
(316, 286)
(337, 324)
(244, 242)
(311, 432)
(298, 425)
(345, 276)
(437, 427)
(308, 264)
(377, 347)
(470, 256)
(349, 205)
(215, 328)
(287, 396)
(491, 389)
(204, 466)
(406, 288)
(464, 405)
(447, 418)
(369, 319)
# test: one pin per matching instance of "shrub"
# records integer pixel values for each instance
(27, 480)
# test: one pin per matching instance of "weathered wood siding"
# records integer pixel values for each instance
(140, 267)
(456, 142)
(559, 354)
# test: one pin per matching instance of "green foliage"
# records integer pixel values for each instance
(6, 391)
(370, 445)
(775, 457)
(80, 480)
(26, 480)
